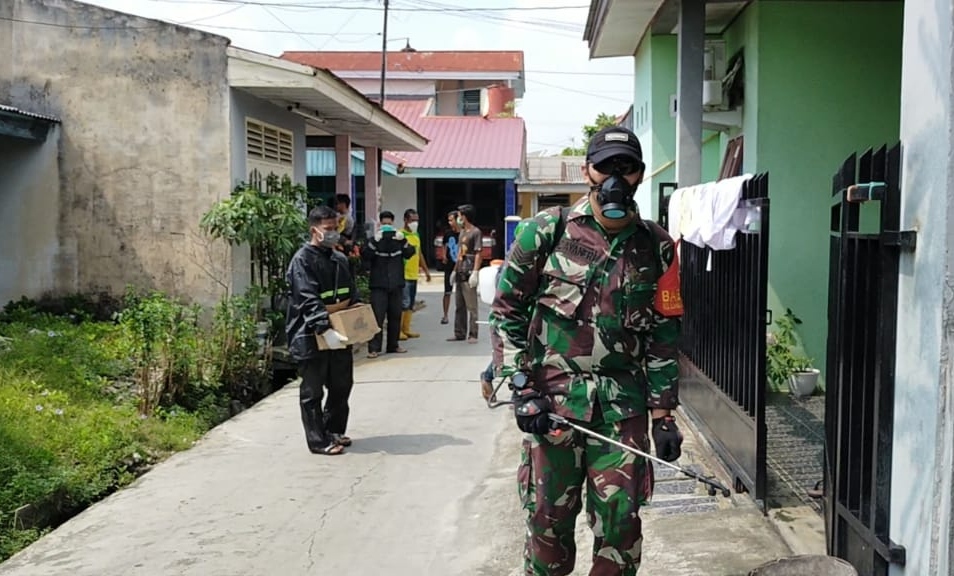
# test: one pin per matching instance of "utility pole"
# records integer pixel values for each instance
(384, 51)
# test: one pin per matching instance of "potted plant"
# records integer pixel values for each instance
(785, 365)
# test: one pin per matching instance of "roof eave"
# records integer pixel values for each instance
(611, 24)
(244, 73)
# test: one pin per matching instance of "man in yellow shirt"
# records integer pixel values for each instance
(413, 266)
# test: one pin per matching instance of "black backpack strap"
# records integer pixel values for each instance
(655, 233)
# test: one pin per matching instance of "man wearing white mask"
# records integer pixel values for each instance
(413, 266)
(320, 284)
(385, 253)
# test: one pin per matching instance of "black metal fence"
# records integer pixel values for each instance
(663, 193)
(722, 372)
(862, 323)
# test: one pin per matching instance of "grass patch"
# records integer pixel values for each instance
(74, 426)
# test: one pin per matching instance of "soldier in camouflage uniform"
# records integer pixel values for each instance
(574, 311)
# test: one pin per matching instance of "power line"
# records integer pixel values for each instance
(282, 22)
(442, 8)
(583, 92)
(545, 24)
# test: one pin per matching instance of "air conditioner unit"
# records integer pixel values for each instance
(713, 93)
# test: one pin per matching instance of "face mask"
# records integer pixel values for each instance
(412, 226)
(387, 228)
(460, 222)
(330, 238)
(615, 194)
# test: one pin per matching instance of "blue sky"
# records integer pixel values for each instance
(565, 89)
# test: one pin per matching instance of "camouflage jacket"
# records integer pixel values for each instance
(580, 316)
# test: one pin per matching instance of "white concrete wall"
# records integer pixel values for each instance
(29, 217)
(242, 106)
(372, 87)
(921, 502)
(398, 194)
(144, 146)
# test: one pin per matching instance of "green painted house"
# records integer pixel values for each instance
(804, 84)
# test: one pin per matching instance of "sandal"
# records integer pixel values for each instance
(373, 354)
(333, 449)
(445, 321)
(342, 440)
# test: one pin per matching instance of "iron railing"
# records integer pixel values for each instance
(723, 384)
(862, 327)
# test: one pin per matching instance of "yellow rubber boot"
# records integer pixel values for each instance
(406, 317)
(405, 324)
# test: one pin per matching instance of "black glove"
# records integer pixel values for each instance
(532, 411)
(667, 438)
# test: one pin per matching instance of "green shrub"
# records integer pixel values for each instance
(86, 406)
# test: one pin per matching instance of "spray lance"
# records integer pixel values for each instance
(520, 381)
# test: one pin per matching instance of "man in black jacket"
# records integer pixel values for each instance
(320, 284)
(385, 254)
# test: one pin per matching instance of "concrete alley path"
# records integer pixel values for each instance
(426, 489)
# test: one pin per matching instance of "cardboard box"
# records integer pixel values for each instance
(356, 323)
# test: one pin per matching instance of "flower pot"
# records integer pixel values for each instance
(802, 384)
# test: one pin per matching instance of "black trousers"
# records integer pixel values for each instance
(386, 305)
(334, 370)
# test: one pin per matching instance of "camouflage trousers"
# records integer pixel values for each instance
(551, 476)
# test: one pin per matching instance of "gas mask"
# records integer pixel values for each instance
(615, 194)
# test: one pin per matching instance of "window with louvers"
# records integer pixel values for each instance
(470, 103)
(269, 144)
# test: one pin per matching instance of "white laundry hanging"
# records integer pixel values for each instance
(708, 215)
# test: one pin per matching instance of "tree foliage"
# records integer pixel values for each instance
(272, 222)
(589, 130)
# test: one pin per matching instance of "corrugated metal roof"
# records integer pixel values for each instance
(461, 142)
(409, 110)
(14, 110)
(555, 170)
(401, 61)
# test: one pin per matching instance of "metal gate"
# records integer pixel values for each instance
(722, 369)
(862, 322)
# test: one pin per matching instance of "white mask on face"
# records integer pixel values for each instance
(412, 226)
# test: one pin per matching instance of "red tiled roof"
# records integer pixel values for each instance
(460, 142)
(443, 61)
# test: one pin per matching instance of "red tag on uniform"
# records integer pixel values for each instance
(668, 296)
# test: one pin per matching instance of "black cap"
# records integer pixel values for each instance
(613, 141)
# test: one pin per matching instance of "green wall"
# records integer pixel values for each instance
(656, 75)
(743, 34)
(814, 110)
(822, 80)
(642, 123)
